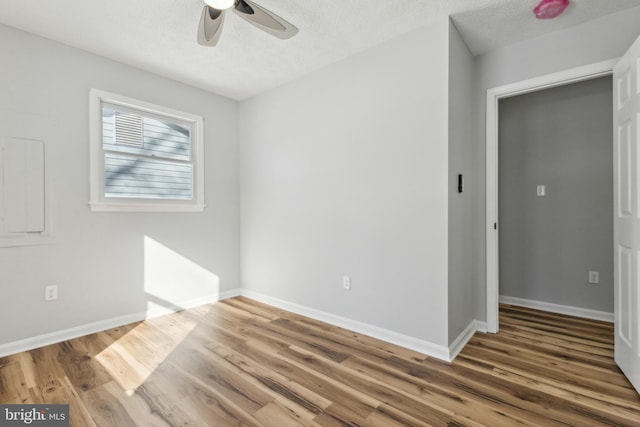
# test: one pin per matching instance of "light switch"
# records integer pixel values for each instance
(541, 190)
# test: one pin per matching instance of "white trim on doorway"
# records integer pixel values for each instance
(561, 78)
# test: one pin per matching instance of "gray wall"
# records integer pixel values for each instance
(345, 172)
(584, 44)
(560, 138)
(104, 263)
(460, 219)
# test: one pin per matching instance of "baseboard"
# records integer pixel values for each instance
(557, 308)
(458, 344)
(421, 346)
(481, 326)
(102, 325)
(416, 344)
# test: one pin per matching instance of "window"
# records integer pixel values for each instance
(144, 157)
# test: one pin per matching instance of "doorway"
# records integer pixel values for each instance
(555, 198)
(492, 164)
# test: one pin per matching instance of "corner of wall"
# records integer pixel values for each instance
(460, 183)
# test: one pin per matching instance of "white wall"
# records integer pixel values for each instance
(345, 172)
(100, 261)
(460, 162)
(588, 43)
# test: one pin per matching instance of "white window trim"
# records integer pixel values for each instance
(97, 201)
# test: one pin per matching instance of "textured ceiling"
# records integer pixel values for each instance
(160, 35)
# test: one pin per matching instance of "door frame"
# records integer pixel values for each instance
(574, 75)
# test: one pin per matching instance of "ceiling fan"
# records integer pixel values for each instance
(212, 20)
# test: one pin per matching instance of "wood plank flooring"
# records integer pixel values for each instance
(242, 363)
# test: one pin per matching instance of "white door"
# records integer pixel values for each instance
(626, 156)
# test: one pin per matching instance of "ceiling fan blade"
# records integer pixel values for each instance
(264, 19)
(210, 28)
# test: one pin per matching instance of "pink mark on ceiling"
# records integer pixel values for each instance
(549, 9)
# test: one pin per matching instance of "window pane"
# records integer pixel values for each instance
(108, 127)
(133, 133)
(147, 178)
(166, 139)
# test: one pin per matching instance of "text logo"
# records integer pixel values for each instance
(34, 415)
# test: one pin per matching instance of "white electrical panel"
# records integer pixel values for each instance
(22, 185)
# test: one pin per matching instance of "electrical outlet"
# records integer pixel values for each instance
(51, 293)
(346, 282)
(594, 277)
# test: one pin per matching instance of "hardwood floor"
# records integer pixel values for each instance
(239, 362)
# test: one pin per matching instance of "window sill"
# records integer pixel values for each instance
(143, 207)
